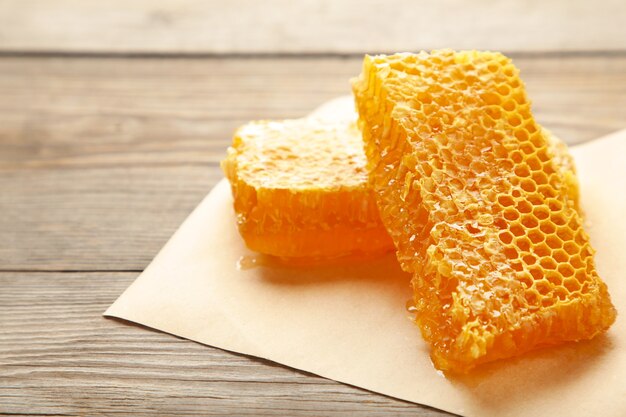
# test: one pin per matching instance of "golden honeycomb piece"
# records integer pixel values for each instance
(301, 190)
(481, 206)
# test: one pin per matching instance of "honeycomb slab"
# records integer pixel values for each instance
(301, 191)
(481, 206)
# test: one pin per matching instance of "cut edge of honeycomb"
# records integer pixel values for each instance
(301, 192)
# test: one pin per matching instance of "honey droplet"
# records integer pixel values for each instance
(246, 262)
(410, 307)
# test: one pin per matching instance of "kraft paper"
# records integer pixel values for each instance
(349, 322)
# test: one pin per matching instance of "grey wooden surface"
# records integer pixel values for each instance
(310, 26)
(105, 150)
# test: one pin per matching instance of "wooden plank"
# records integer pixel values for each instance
(102, 159)
(59, 356)
(311, 26)
(95, 112)
(111, 218)
(108, 111)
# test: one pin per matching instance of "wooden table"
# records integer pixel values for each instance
(113, 119)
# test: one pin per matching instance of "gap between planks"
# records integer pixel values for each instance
(551, 54)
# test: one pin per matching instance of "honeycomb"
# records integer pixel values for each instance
(481, 206)
(334, 123)
(342, 109)
(301, 190)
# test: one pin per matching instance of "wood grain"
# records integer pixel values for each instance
(90, 218)
(102, 159)
(309, 26)
(59, 356)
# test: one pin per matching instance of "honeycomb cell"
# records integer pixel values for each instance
(581, 276)
(301, 190)
(524, 172)
(541, 249)
(547, 227)
(537, 273)
(502, 91)
(524, 207)
(511, 214)
(505, 200)
(521, 135)
(517, 157)
(528, 185)
(547, 191)
(534, 164)
(548, 263)
(509, 105)
(536, 237)
(554, 277)
(536, 200)
(533, 298)
(543, 287)
(529, 259)
(571, 285)
(576, 261)
(529, 221)
(537, 141)
(523, 244)
(517, 229)
(554, 242)
(540, 178)
(555, 206)
(560, 256)
(565, 234)
(562, 293)
(566, 270)
(528, 149)
(510, 253)
(506, 237)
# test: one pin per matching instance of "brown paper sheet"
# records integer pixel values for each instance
(349, 323)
